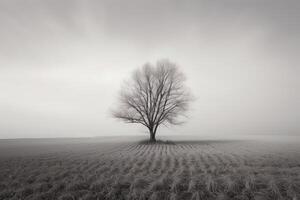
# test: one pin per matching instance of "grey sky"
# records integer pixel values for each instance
(62, 63)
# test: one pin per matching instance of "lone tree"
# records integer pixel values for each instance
(155, 95)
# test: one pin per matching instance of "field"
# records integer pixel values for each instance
(71, 169)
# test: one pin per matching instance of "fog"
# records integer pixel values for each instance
(62, 64)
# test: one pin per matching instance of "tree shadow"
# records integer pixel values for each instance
(148, 142)
(186, 142)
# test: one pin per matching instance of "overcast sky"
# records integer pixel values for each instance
(62, 63)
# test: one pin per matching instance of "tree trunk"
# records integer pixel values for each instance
(152, 136)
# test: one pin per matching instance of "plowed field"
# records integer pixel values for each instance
(133, 170)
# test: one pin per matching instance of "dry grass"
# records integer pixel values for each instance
(166, 170)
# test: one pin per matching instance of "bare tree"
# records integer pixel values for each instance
(156, 95)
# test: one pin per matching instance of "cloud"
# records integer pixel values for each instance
(62, 63)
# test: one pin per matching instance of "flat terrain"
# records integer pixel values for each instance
(109, 169)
